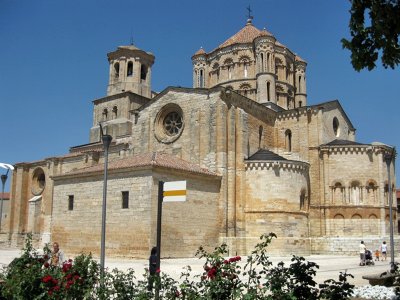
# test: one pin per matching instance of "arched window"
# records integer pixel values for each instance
(279, 69)
(143, 72)
(115, 112)
(262, 62)
(129, 71)
(299, 87)
(245, 70)
(268, 91)
(287, 72)
(105, 114)
(355, 192)
(229, 72)
(303, 199)
(372, 189)
(288, 140)
(201, 78)
(260, 133)
(268, 62)
(385, 193)
(335, 125)
(116, 70)
(338, 193)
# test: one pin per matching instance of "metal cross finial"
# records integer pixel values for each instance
(249, 10)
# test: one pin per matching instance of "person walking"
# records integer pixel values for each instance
(152, 267)
(362, 253)
(384, 250)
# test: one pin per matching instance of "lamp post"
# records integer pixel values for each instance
(3, 183)
(106, 139)
(388, 159)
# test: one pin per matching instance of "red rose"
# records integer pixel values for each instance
(211, 274)
(47, 278)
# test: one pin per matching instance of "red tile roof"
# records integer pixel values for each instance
(298, 58)
(246, 35)
(200, 52)
(155, 159)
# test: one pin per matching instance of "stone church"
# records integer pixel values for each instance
(257, 158)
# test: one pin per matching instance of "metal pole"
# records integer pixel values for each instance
(388, 159)
(3, 181)
(159, 215)
(106, 143)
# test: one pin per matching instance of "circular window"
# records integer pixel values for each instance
(38, 182)
(336, 129)
(169, 124)
(173, 123)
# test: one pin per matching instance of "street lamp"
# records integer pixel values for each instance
(106, 139)
(3, 182)
(388, 159)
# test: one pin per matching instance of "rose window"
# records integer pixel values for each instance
(173, 123)
(169, 123)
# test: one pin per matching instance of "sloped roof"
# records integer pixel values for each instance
(246, 35)
(264, 154)
(298, 58)
(338, 142)
(200, 52)
(155, 159)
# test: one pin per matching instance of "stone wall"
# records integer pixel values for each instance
(277, 201)
(350, 245)
(131, 232)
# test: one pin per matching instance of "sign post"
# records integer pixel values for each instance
(159, 215)
(173, 191)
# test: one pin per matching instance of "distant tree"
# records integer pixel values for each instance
(374, 27)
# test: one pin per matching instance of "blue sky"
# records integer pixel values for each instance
(53, 61)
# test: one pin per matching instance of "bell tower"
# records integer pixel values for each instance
(130, 70)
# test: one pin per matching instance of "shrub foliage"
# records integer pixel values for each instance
(30, 277)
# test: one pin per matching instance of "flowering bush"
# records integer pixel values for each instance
(29, 277)
(22, 278)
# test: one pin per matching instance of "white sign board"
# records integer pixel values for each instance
(174, 191)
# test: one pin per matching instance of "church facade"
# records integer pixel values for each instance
(256, 158)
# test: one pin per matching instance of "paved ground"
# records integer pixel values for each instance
(330, 266)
